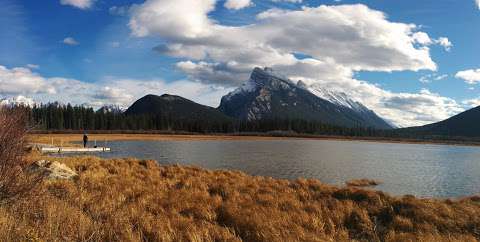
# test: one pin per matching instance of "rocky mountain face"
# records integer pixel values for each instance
(175, 108)
(269, 96)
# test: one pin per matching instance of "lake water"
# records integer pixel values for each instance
(417, 169)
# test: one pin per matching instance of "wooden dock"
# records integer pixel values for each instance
(73, 149)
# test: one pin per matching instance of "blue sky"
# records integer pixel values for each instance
(88, 52)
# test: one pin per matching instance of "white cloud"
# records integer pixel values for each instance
(215, 73)
(290, 1)
(33, 66)
(470, 76)
(478, 3)
(352, 35)
(445, 42)
(70, 41)
(432, 77)
(22, 81)
(475, 102)
(114, 95)
(82, 4)
(237, 4)
(180, 19)
(423, 39)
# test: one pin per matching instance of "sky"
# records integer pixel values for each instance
(412, 62)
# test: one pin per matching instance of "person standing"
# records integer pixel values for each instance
(85, 140)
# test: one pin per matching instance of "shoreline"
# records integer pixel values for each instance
(68, 138)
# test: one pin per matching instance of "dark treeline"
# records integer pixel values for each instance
(57, 117)
(68, 118)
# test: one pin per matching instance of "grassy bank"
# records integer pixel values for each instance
(132, 200)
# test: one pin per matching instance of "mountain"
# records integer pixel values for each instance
(465, 124)
(267, 95)
(175, 108)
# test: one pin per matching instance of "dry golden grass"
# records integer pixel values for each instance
(132, 200)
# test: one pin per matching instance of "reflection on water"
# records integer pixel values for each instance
(422, 170)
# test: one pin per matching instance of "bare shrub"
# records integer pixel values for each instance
(15, 181)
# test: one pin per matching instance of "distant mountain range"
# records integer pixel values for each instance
(266, 96)
(465, 124)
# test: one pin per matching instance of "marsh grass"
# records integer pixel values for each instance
(133, 200)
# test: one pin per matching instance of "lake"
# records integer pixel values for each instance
(417, 169)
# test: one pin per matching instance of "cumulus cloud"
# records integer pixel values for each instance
(82, 4)
(478, 3)
(215, 73)
(70, 41)
(352, 35)
(475, 102)
(432, 77)
(33, 66)
(22, 81)
(469, 76)
(338, 41)
(424, 39)
(237, 4)
(178, 19)
(278, 34)
(114, 95)
(445, 42)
